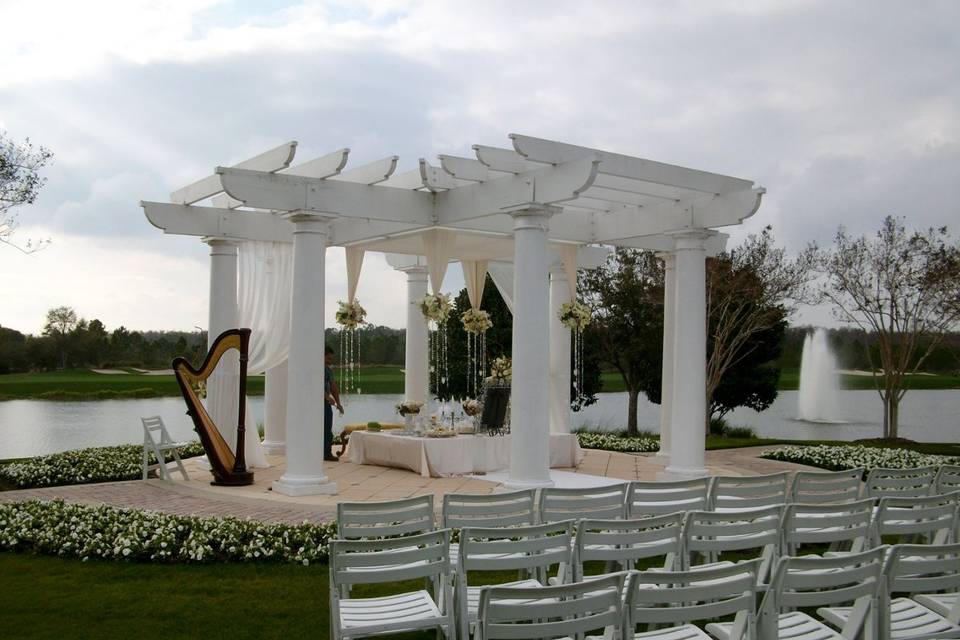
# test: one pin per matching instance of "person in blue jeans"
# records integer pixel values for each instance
(331, 399)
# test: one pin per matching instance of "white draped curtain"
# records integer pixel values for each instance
(354, 265)
(474, 277)
(502, 275)
(438, 247)
(265, 274)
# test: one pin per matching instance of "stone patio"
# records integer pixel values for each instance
(356, 483)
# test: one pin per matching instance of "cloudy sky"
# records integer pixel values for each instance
(844, 111)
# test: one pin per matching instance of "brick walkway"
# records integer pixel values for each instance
(355, 483)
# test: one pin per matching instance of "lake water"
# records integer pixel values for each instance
(36, 427)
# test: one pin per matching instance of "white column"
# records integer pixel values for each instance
(529, 423)
(689, 410)
(222, 401)
(415, 350)
(559, 353)
(304, 474)
(275, 412)
(669, 333)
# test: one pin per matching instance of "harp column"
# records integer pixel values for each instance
(688, 418)
(222, 388)
(530, 393)
(669, 338)
(559, 353)
(304, 474)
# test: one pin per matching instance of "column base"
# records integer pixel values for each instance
(681, 473)
(311, 486)
(658, 454)
(511, 483)
(274, 448)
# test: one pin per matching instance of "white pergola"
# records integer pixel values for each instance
(530, 205)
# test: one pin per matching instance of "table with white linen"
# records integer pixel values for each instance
(459, 455)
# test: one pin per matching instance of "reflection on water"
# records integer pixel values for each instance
(35, 427)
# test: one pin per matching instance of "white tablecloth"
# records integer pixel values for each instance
(460, 455)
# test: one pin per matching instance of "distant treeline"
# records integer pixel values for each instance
(88, 344)
(849, 346)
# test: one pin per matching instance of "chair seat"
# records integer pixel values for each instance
(685, 632)
(389, 614)
(908, 619)
(940, 603)
(790, 626)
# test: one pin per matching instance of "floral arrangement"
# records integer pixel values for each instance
(436, 307)
(613, 442)
(110, 533)
(350, 314)
(476, 321)
(98, 464)
(840, 457)
(501, 370)
(575, 315)
(409, 407)
(472, 407)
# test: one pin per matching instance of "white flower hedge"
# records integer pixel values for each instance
(97, 464)
(840, 457)
(612, 442)
(104, 532)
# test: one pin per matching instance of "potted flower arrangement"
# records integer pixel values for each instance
(501, 370)
(472, 407)
(408, 409)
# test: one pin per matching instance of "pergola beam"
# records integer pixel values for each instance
(186, 220)
(272, 160)
(371, 173)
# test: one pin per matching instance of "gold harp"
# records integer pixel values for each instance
(227, 468)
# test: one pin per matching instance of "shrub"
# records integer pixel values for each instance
(840, 457)
(613, 442)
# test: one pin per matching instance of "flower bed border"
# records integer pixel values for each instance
(843, 457)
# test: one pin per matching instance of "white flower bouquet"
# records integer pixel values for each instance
(436, 307)
(472, 407)
(575, 315)
(350, 314)
(476, 321)
(409, 407)
(501, 371)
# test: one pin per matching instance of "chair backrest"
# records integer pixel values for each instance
(426, 555)
(152, 424)
(811, 581)
(932, 517)
(882, 483)
(673, 598)
(628, 541)
(536, 547)
(708, 533)
(823, 487)
(827, 523)
(657, 498)
(730, 493)
(385, 519)
(923, 568)
(574, 504)
(948, 479)
(491, 510)
(568, 610)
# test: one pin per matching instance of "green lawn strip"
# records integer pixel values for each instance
(790, 381)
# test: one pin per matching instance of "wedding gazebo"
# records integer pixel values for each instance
(530, 215)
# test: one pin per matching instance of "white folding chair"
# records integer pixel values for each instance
(626, 542)
(926, 519)
(667, 603)
(708, 534)
(359, 562)
(909, 569)
(845, 527)
(516, 508)
(899, 483)
(735, 493)
(939, 563)
(606, 503)
(823, 487)
(369, 520)
(529, 550)
(948, 479)
(808, 582)
(562, 611)
(159, 448)
(657, 498)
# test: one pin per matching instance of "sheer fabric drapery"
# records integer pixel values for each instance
(474, 277)
(502, 275)
(437, 248)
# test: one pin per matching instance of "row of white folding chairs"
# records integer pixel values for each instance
(853, 594)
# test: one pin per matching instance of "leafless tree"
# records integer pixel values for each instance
(900, 287)
(20, 184)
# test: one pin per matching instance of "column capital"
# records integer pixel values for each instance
(668, 257)
(558, 272)
(306, 222)
(415, 272)
(220, 245)
(532, 216)
(691, 239)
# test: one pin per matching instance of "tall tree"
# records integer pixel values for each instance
(751, 290)
(903, 289)
(626, 295)
(20, 184)
(61, 321)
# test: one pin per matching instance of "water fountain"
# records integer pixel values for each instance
(819, 396)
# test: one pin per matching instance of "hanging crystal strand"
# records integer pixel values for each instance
(356, 379)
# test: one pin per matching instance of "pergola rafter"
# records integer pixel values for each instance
(539, 205)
